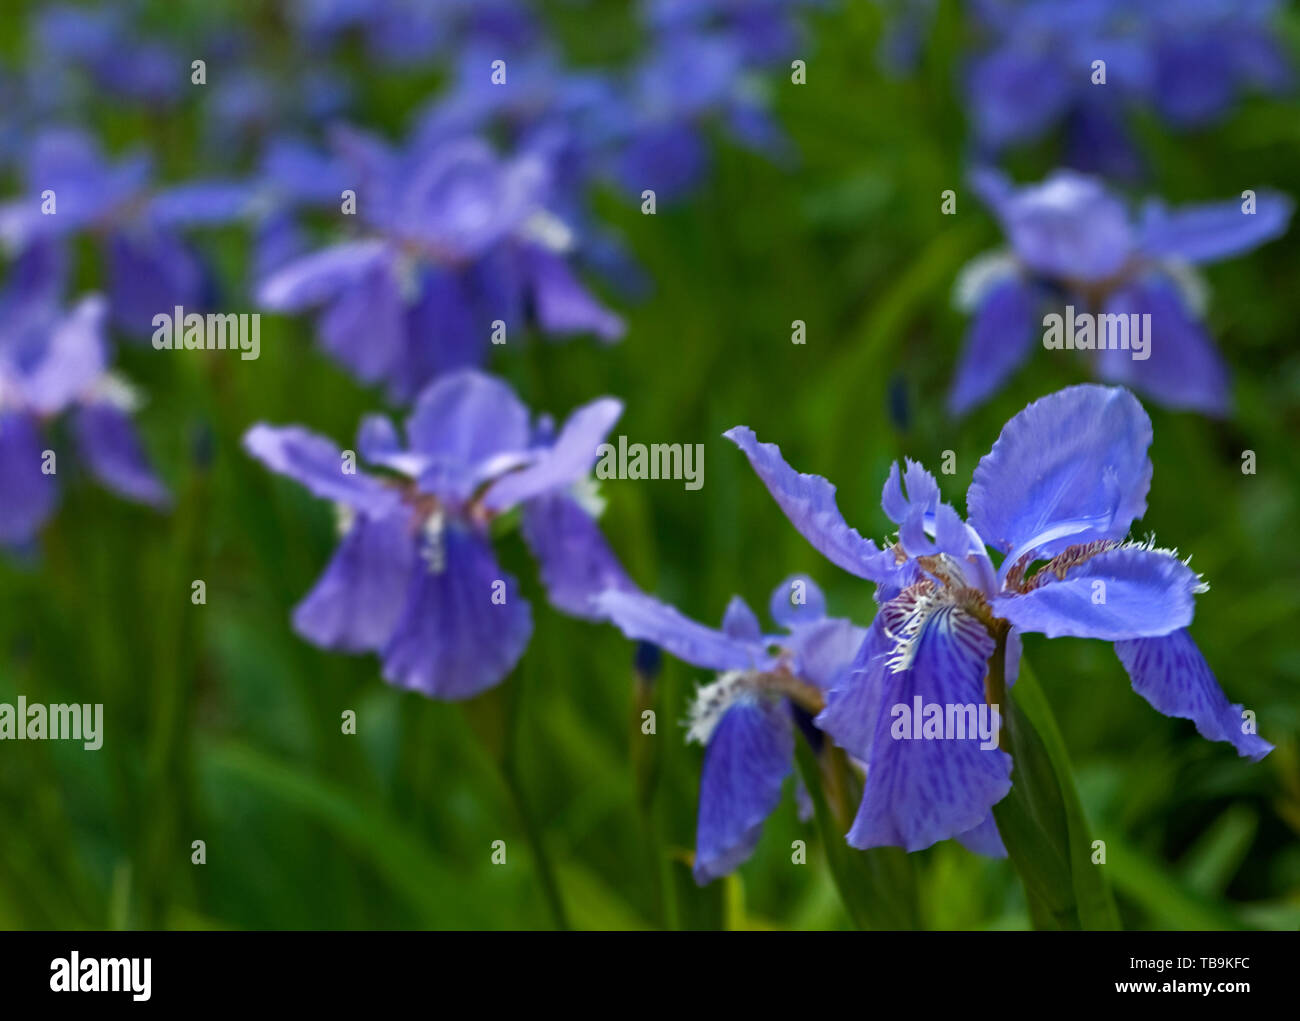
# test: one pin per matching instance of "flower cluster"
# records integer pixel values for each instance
(414, 578)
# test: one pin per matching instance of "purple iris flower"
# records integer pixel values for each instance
(456, 239)
(1186, 59)
(404, 32)
(54, 365)
(745, 718)
(108, 46)
(415, 578)
(1055, 497)
(72, 189)
(767, 31)
(689, 81)
(1074, 243)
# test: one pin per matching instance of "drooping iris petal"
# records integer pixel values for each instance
(1071, 467)
(643, 617)
(357, 602)
(560, 301)
(463, 627)
(750, 754)
(29, 494)
(997, 342)
(1016, 95)
(984, 839)
(151, 272)
(363, 324)
(797, 600)
(73, 360)
(1121, 593)
(33, 285)
(1193, 79)
(668, 158)
(1183, 369)
(316, 463)
(1171, 674)
(574, 559)
(569, 459)
(108, 441)
(1214, 230)
(809, 502)
(445, 331)
(918, 790)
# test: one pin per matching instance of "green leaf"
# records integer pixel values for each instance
(1042, 821)
(878, 887)
(400, 856)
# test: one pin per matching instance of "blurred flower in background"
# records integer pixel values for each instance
(414, 577)
(54, 368)
(1187, 61)
(1075, 244)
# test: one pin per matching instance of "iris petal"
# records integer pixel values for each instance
(809, 502)
(1070, 468)
(919, 791)
(748, 758)
(463, 627)
(1121, 593)
(1171, 674)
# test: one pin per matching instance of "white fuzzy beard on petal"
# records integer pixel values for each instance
(713, 700)
(586, 494)
(344, 518)
(909, 614)
(549, 231)
(981, 275)
(1191, 284)
(112, 388)
(434, 550)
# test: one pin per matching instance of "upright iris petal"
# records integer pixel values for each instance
(1070, 468)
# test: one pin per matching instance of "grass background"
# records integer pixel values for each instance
(222, 725)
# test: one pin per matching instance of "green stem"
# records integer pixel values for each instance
(533, 834)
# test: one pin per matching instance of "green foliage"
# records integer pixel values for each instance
(222, 725)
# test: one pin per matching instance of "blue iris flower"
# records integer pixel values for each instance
(54, 364)
(1073, 242)
(1055, 498)
(415, 578)
(1187, 60)
(455, 239)
(744, 719)
(72, 189)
